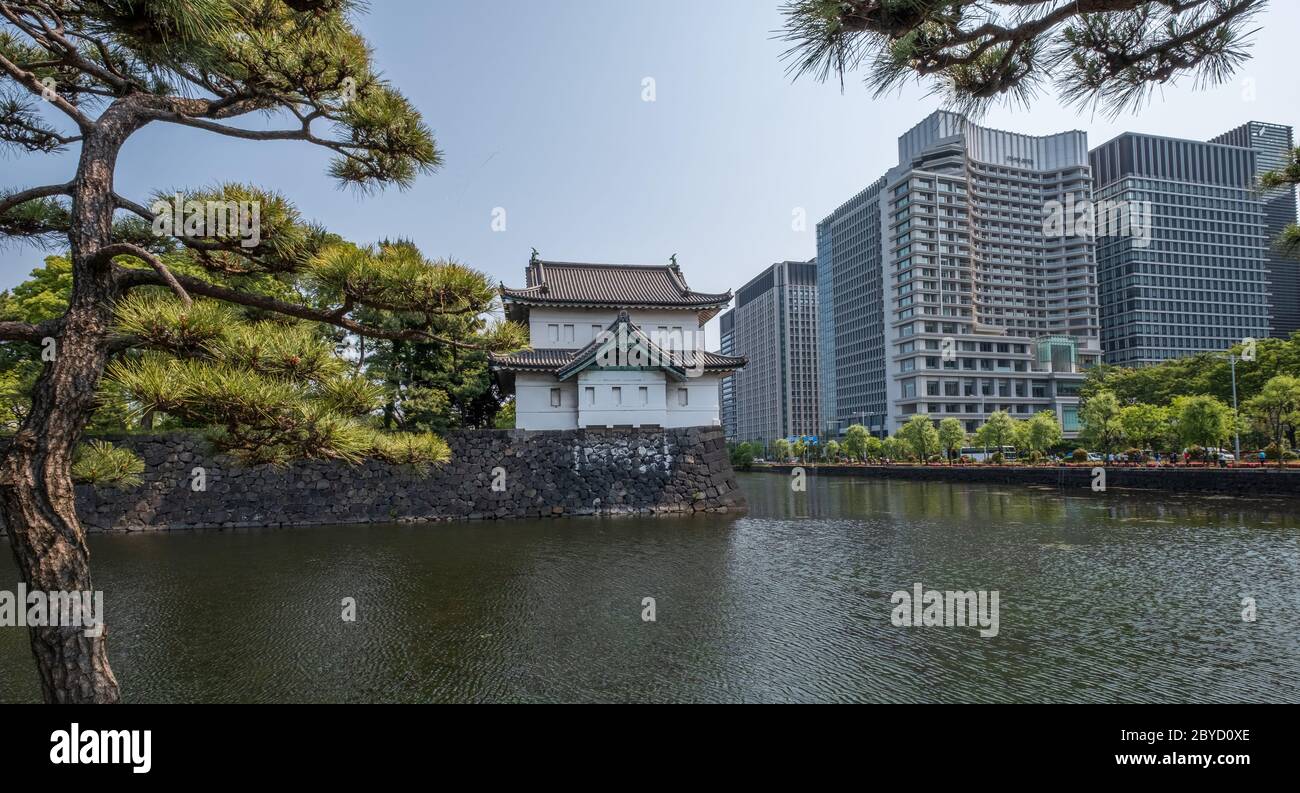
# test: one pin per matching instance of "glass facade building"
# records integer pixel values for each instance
(944, 275)
(774, 325)
(1272, 144)
(1199, 280)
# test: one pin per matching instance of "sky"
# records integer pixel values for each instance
(539, 108)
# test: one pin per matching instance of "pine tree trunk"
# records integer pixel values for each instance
(36, 490)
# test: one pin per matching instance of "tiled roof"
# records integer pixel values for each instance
(622, 285)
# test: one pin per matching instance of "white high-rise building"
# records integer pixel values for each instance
(943, 291)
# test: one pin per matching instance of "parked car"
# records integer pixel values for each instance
(1094, 457)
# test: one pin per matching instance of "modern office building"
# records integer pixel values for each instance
(727, 385)
(1272, 144)
(945, 290)
(1197, 280)
(773, 327)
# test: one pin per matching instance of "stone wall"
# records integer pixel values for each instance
(1231, 481)
(545, 474)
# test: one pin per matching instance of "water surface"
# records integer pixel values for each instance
(1103, 598)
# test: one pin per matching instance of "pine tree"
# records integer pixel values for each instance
(104, 70)
(1107, 53)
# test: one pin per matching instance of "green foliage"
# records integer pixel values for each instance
(1079, 455)
(1143, 425)
(997, 431)
(1275, 410)
(920, 437)
(781, 449)
(1100, 417)
(1110, 54)
(952, 436)
(102, 463)
(505, 418)
(1040, 432)
(742, 456)
(832, 450)
(855, 441)
(1201, 420)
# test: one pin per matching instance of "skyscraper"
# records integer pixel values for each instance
(1272, 144)
(1199, 280)
(774, 326)
(949, 293)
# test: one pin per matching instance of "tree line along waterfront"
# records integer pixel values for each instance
(1178, 411)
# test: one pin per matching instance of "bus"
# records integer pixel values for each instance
(979, 455)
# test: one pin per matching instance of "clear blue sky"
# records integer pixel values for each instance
(538, 107)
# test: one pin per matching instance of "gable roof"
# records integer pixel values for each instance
(628, 345)
(609, 286)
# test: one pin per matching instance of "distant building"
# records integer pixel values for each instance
(774, 326)
(727, 383)
(612, 345)
(1200, 280)
(944, 292)
(1272, 144)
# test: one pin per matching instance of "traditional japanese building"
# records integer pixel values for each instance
(612, 345)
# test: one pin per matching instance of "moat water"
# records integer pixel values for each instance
(1103, 597)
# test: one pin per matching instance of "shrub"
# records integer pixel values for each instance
(1135, 455)
(1080, 455)
(1271, 451)
(102, 463)
(998, 458)
(1035, 456)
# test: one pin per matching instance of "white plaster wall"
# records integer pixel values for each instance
(702, 402)
(533, 410)
(572, 329)
(597, 406)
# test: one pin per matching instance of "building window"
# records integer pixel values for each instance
(643, 394)
(617, 392)
(555, 397)
(590, 393)
(683, 397)
(553, 332)
(568, 333)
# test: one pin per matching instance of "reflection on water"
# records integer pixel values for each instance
(1104, 597)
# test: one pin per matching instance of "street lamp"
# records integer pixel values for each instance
(1236, 429)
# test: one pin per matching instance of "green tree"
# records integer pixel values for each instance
(1201, 420)
(920, 436)
(893, 448)
(952, 436)
(781, 450)
(998, 431)
(109, 70)
(833, 450)
(1100, 418)
(872, 448)
(1041, 431)
(1143, 425)
(505, 417)
(1275, 410)
(742, 456)
(855, 441)
(977, 52)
